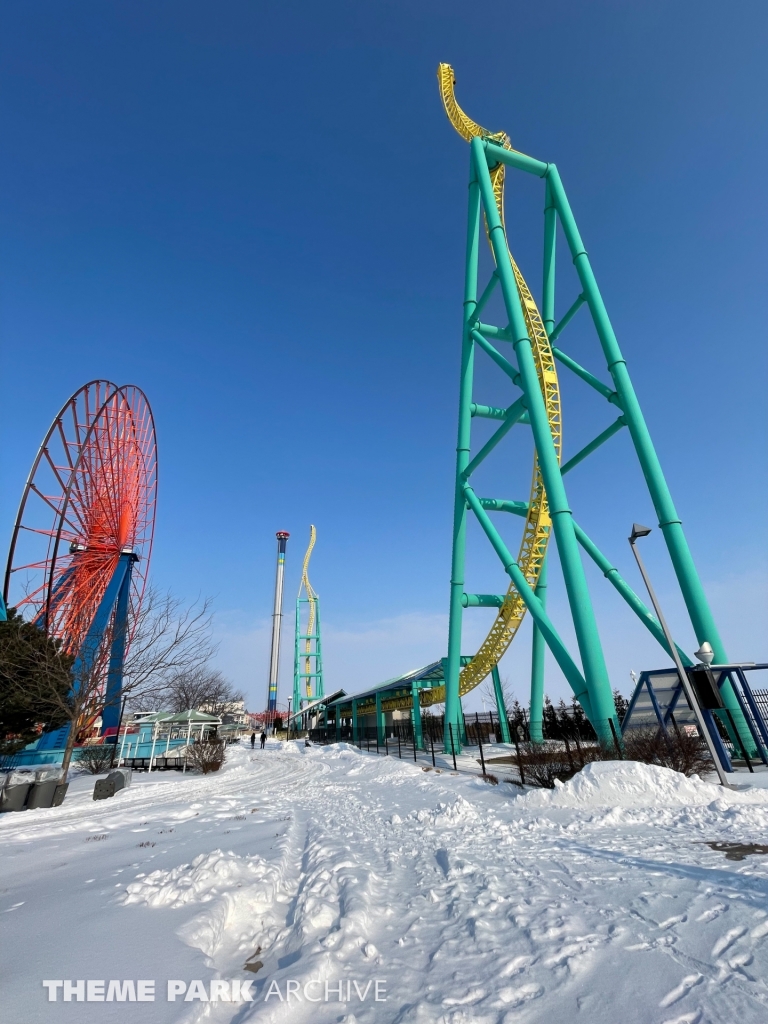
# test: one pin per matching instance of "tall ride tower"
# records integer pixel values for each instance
(307, 663)
(525, 346)
(277, 618)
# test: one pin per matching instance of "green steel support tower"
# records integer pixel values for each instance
(308, 654)
(529, 360)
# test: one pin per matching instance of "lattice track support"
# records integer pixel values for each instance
(308, 654)
(308, 648)
(591, 685)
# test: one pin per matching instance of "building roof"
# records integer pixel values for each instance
(321, 702)
(426, 677)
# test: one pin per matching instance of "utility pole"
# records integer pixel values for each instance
(277, 618)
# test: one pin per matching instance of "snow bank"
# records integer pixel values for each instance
(626, 784)
(446, 815)
(205, 878)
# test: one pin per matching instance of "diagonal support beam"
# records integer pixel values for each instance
(514, 413)
(532, 603)
(558, 330)
(497, 357)
(585, 375)
(614, 428)
(487, 293)
(613, 576)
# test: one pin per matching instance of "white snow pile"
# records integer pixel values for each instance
(625, 784)
(445, 815)
(208, 876)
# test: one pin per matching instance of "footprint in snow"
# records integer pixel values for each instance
(678, 919)
(517, 996)
(687, 1018)
(681, 990)
(727, 940)
(710, 915)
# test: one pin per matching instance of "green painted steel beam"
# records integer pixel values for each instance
(380, 721)
(488, 412)
(614, 428)
(670, 524)
(504, 364)
(513, 415)
(418, 740)
(483, 600)
(489, 331)
(487, 293)
(497, 155)
(582, 612)
(585, 375)
(532, 603)
(613, 576)
(452, 664)
(517, 508)
(558, 330)
(536, 705)
(501, 707)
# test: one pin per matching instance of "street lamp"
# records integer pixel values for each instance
(643, 531)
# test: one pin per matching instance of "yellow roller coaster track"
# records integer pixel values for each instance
(312, 597)
(533, 547)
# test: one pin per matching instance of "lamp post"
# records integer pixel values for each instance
(643, 531)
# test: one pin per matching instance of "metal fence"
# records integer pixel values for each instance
(561, 722)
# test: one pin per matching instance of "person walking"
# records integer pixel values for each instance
(263, 739)
(253, 740)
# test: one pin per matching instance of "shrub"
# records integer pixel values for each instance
(682, 752)
(97, 759)
(542, 763)
(207, 756)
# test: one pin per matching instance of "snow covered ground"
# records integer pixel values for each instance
(468, 903)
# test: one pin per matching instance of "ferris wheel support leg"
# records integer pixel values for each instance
(588, 639)
(83, 666)
(670, 524)
(453, 714)
(111, 713)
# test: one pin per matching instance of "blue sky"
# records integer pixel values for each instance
(256, 212)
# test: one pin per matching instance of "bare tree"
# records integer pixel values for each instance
(489, 693)
(201, 688)
(168, 638)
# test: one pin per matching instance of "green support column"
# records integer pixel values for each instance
(536, 708)
(355, 737)
(453, 661)
(338, 723)
(416, 717)
(669, 522)
(536, 711)
(380, 720)
(595, 672)
(501, 707)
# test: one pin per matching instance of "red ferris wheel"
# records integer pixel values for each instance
(82, 540)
